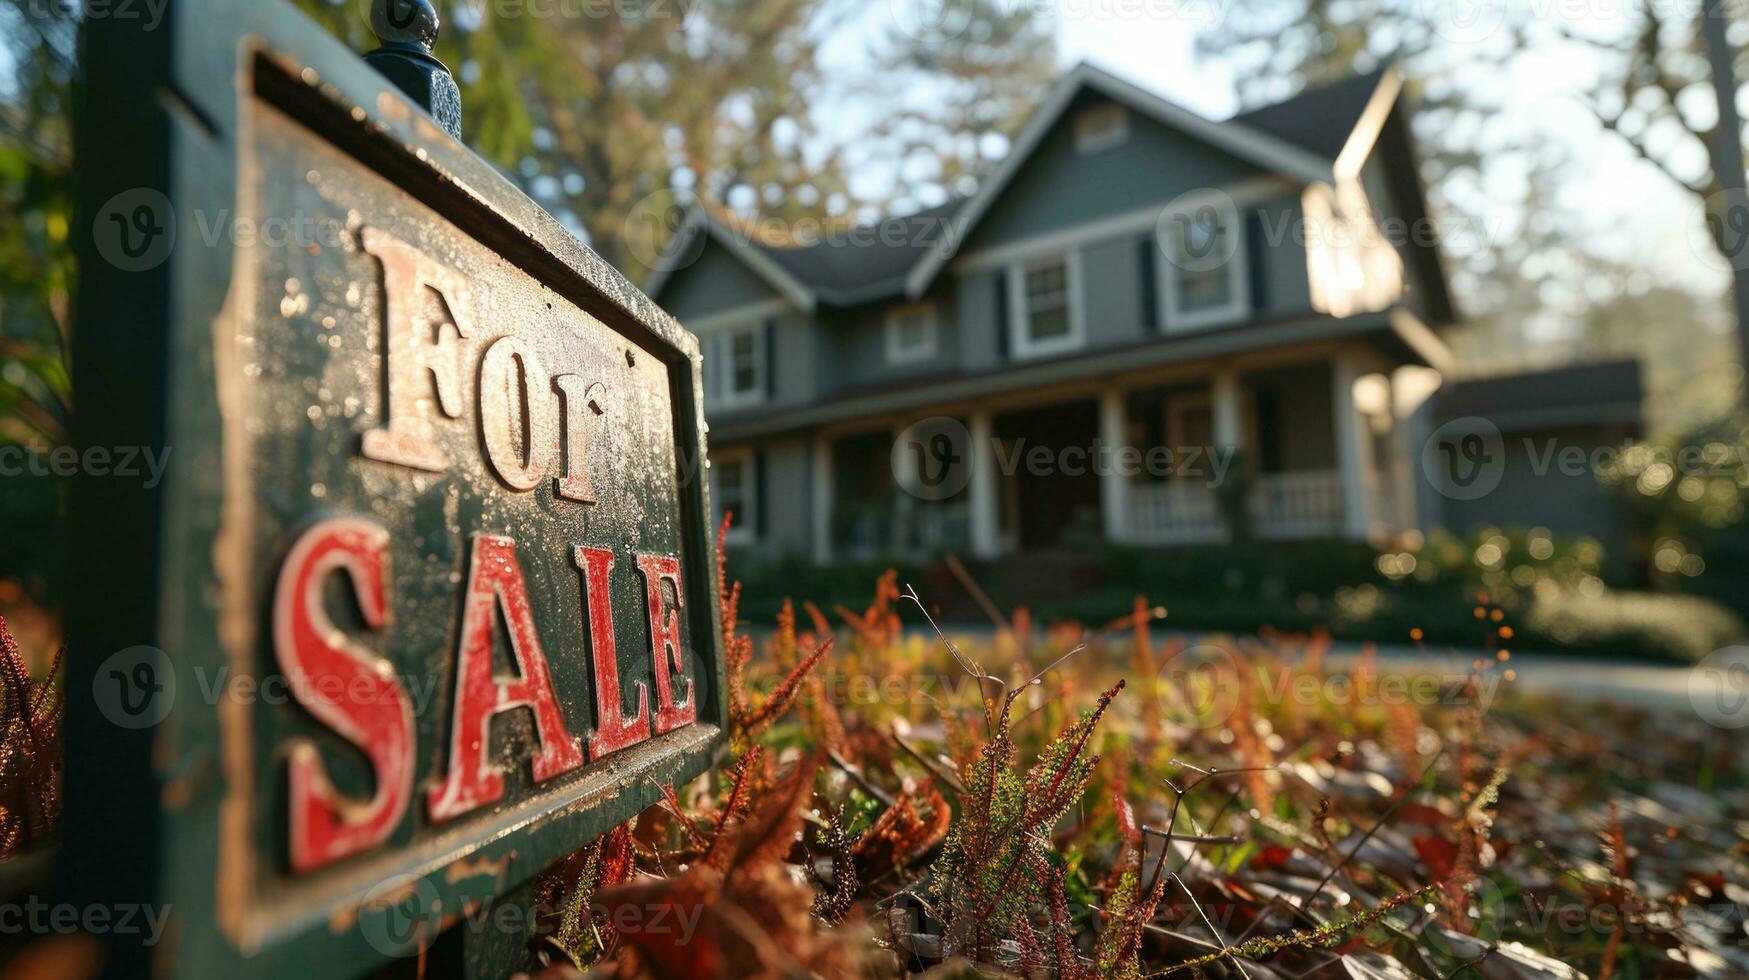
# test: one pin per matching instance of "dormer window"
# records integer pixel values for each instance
(911, 334)
(1204, 262)
(1045, 315)
(1101, 128)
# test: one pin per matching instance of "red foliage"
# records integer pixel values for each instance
(30, 751)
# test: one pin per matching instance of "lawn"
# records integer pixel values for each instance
(1114, 803)
(1110, 804)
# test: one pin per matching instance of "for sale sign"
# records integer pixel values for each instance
(425, 598)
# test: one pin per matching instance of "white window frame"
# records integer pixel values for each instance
(1238, 306)
(1020, 342)
(744, 530)
(728, 397)
(897, 352)
(1101, 127)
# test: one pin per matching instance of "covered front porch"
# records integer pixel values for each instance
(1305, 449)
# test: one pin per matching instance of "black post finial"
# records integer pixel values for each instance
(408, 32)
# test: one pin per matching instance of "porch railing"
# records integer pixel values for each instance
(1174, 513)
(913, 529)
(1305, 504)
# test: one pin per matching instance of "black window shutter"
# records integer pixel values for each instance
(759, 493)
(771, 360)
(1002, 314)
(1148, 273)
(1256, 255)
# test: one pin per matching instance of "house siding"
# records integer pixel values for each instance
(794, 377)
(1111, 292)
(786, 498)
(976, 324)
(1282, 275)
(857, 352)
(1060, 188)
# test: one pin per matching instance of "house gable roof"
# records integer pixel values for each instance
(1318, 120)
(1300, 138)
(700, 223)
(1266, 150)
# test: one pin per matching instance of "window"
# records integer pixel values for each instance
(743, 365)
(1205, 263)
(1101, 128)
(911, 334)
(735, 490)
(1046, 318)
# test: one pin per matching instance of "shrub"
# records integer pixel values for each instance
(1673, 627)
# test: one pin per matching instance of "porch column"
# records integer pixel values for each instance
(905, 484)
(1114, 482)
(1397, 472)
(820, 456)
(986, 536)
(1224, 399)
(1353, 448)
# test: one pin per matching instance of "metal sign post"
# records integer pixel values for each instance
(425, 599)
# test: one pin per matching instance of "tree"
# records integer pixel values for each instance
(36, 274)
(1534, 287)
(616, 115)
(1278, 47)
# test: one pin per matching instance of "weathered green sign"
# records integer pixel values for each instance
(425, 598)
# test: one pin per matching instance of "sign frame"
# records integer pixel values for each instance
(151, 814)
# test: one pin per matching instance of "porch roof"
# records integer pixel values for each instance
(1382, 329)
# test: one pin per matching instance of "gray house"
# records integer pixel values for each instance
(1145, 326)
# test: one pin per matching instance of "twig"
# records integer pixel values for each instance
(1226, 948)
(858, 778)
(947, 776)
(977, 593)
(966, 663)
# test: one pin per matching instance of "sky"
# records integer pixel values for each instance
(1624, 208)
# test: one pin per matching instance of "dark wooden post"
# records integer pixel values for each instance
(408, 32)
